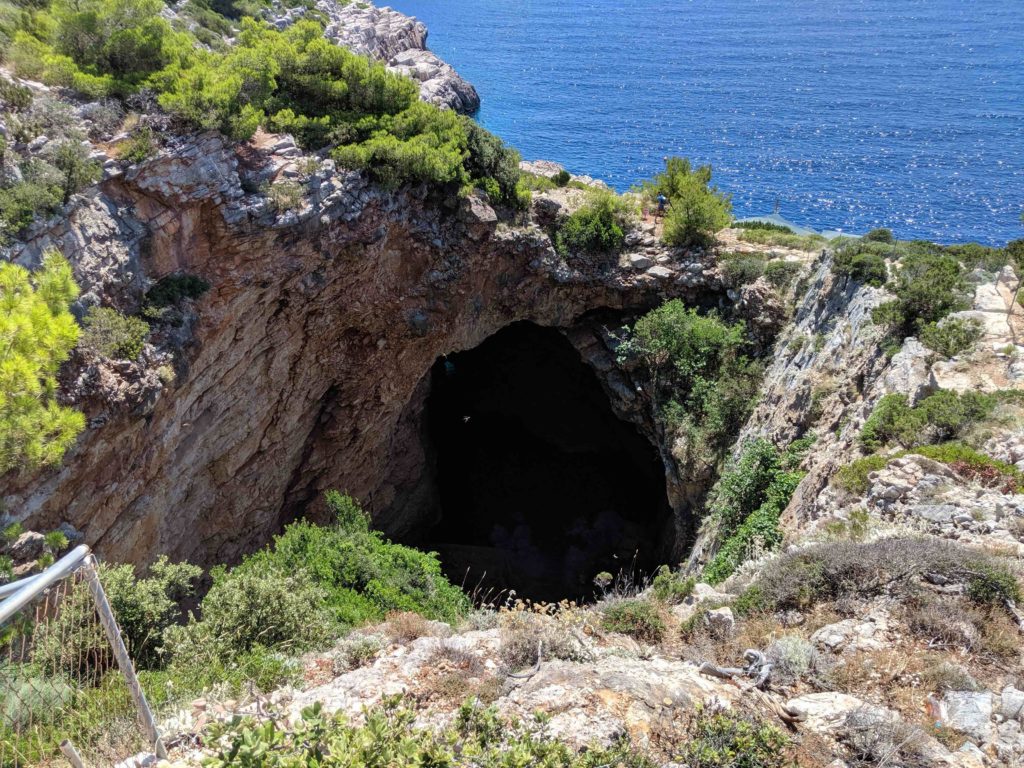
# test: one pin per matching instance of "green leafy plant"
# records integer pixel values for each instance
(869, 268)
(670, 586)
(740, 268)
(951, 336)
(171, 289)
(928, 286)
(941, 416)
(696, 210)
(139, 146)
(880, 235)
(764, 225)
(781, 274)
(637, 618)
(727, 740)
(597, 227)
(38, 332)
(701, 379)
(109, 333)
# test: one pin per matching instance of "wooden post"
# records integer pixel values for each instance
(71, 754)
(146, 719)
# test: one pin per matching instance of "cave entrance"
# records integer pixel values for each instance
(541, 486)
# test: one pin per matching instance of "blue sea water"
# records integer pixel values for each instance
(853, 114)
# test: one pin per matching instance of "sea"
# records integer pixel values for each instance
(844, 116)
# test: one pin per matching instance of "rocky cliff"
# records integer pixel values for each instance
(304, 366)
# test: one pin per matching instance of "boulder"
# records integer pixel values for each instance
(28, 546)
(908, 371)
(721, 622)
(1011, 703)
(969, 712)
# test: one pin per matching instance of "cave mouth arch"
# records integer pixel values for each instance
(540, 486)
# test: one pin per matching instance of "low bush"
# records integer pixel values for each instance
(562, 178)
(853, 477)
(928, 287)
(171, 289)
(364, 575)
(868, 268)
(951, 336)
(838, 570)
(880, 235)
(138, 147)
(781, 274)
(637, 618)
(943, 415)
(783, 240)
(107, 332)
(765, 225)
(729, 740)
(284, 195)
(794, 658)
(521, 633)
(74, 643)
(670, 586)
(277, 610)
(598, 227)
(740, 269)
(388, 736)
(949, 676)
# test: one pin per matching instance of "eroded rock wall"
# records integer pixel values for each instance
(300, 369)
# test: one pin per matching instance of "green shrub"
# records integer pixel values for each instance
(781, 274)
(476, 738)
(748, 500)
(39, 333)
(783, 239)
(670, 586)
(285, 195)
(728, 740)
(868, 268)
(880, 235)
(696, 210)
(247, 607)
(20, 204)
(364, 576)
(14, 97)
(940, 416)
(597, 227)
(562, 178)
(74, 643)
(968, 461)
(637, 618)
(29, 700)
(77, 171)
(853, 477)
(974, 255)
(951, 336)
(702, 382)
(490, 159)
(928, 287)
(171, 289)
(740, 269)
(765, 225)
(138, 147)
(109, 333)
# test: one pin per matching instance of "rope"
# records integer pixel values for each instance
(536, 667)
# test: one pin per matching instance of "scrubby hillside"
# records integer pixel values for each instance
(241, 258)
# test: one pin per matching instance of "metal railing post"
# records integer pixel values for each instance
(106, 615)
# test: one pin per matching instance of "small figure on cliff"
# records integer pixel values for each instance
(662, 203)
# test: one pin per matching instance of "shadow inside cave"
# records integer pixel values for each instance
(541, 486)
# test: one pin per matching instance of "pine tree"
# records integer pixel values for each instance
(37, 332)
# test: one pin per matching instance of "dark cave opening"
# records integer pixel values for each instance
(541, 486)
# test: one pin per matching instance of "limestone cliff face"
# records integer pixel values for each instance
(303, 367)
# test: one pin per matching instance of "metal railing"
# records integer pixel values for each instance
(66, 679)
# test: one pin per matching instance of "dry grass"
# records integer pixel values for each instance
(451, 675)
(405, 626)
(520, 632)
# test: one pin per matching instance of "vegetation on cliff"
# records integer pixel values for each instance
(38, 333)
(702, 379)
(696, 210)
(289, 81)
